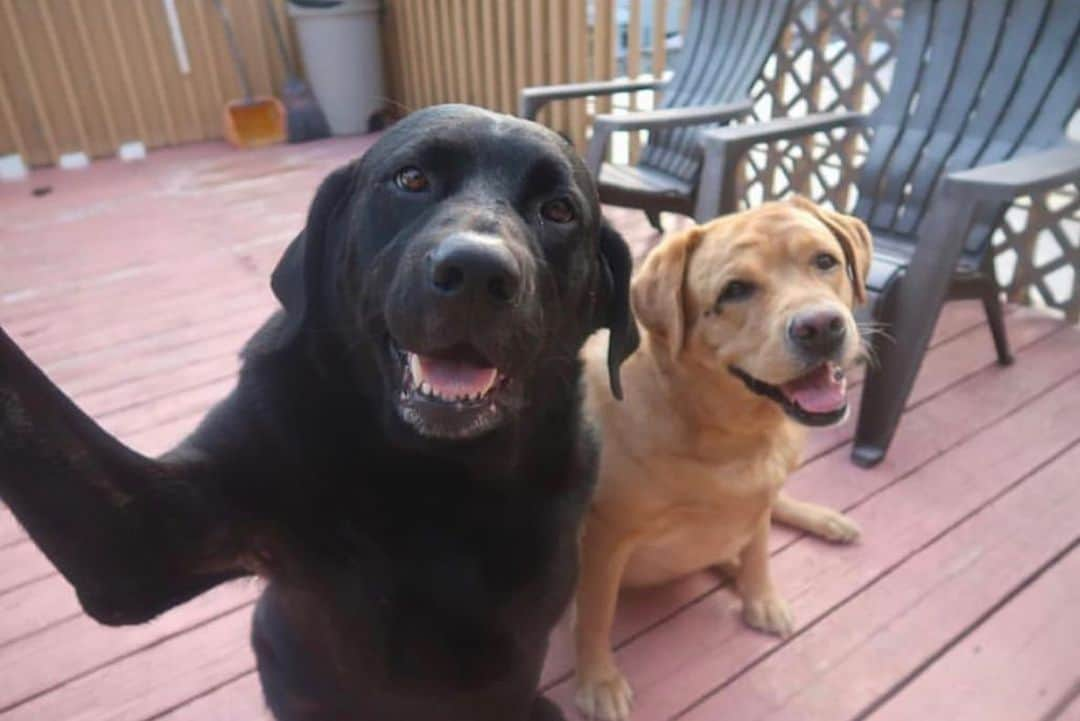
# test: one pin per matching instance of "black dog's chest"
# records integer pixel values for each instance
(465, 560)
(437, 578)
(449, 598)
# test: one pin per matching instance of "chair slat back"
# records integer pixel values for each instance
(976, 81)
(726, 45)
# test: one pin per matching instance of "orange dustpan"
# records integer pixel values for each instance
(252, 121)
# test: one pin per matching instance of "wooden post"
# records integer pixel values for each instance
(633, 70)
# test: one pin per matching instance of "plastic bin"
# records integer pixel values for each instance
(343, 59)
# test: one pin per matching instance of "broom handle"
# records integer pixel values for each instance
(234, 49)
(286, 59)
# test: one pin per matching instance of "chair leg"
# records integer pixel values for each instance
(654, 220)
(883, 389)
(913, 305)
(995, 317)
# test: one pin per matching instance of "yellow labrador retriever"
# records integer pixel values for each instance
(747, 330)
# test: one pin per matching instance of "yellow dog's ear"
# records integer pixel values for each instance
(657, 289)
(854, 238)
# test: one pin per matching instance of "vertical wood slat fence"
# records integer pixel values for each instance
(496, 48)
(88, 75)
(512, 44)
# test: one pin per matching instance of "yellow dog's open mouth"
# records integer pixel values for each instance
(816, 398)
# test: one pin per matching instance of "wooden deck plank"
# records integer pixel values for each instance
(926, 433)
(21, 563)
(169, 196)
(34, 314)
(161, 362)
(84, 336)
(840, 666)
(34, 607)
(9, 527)
(128, 397)
(157, 246)
(155, 681)
(1016, 665)
(243, 265)
(168, 408)
(1070, 707)
(139, 353)
(702, 645)
(72, 648)
(237, 700)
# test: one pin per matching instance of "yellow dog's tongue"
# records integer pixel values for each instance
(822, 390)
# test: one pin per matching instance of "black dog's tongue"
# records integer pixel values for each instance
(451, 379)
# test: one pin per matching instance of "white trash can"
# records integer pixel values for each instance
(343, 58)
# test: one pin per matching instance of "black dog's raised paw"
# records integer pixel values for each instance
(545, 710)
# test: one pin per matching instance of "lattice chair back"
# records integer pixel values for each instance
(727, 43)
(976, 82)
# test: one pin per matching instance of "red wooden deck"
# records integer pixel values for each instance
(135, 285)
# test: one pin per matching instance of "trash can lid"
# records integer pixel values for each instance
(328, 8)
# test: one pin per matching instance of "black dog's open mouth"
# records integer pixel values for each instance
(816, 398)
(453, 393)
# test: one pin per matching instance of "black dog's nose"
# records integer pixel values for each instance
(477, 265)
(818, 333)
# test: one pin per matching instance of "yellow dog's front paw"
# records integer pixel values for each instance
(604, 696)
(770, 614)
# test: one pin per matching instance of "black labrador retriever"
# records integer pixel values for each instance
(403, 458)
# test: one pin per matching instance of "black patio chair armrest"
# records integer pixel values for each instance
(1044, 170)
(673, 117)
(605, 125)
(740, 136)
(724, 147)
(534, 98)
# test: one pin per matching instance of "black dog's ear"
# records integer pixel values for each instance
(300, 276)
(616, 267)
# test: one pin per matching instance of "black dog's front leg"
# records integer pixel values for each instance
(133, 535)
(545, 710)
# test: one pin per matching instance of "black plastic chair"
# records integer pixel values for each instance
(727, 44)
(975, 117)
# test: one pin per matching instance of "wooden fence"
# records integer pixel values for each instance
(88, 75)
(498, 47)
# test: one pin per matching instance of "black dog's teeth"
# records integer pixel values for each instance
(425, 391)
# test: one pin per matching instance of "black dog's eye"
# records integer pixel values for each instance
(411, 179)
(825, 261)
(735, 290)
(558, 211)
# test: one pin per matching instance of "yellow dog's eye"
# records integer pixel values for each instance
(734, 291)
(825, 261)
(411, 179)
